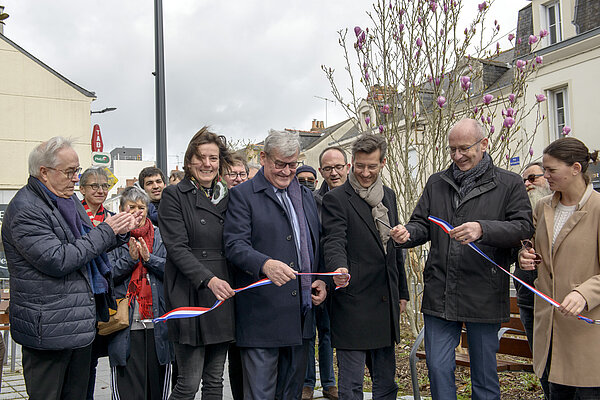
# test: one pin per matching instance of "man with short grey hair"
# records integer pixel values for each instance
(487, 205)
(272, 231)
(59, 273)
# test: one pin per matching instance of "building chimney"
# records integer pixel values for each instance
(317, 126)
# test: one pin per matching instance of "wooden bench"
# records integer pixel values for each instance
(512, 342)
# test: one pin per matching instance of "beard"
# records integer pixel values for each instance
(537, 193)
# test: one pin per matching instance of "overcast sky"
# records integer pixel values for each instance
(240, 66)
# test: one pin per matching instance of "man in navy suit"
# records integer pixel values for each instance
(272, 231)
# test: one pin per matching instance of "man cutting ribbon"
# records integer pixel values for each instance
(487, 205)
(272, 230)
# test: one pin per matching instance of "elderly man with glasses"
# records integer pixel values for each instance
(272, 231)
(486, 205)
(59, 273)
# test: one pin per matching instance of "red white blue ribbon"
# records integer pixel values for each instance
(446, 227)
(190, 312)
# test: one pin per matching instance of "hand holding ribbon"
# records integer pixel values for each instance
(572, 304)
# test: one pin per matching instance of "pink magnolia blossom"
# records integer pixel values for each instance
(512, 97)
(539, 59)
(519, 41)
(385, 109)
(466, 31)
(482, 119)
(445, 8)
(487, 99)
(419, 42)
(507, 157)
(510, 112)
(441, 100)
(497, 47)
(531, 151)
(419, 19)
(543, 33)
(367, 120)
(476, 110)
(508, 122)
(511, 37)
(402, 11)
(566, 130)
(532, 39)
(437, 81)
(521, 64)
(489, 119)
(465, 83)
(357, 30)
(380, 128)
(401, 27)
(366, 76)
(482, 6)
(492, 129)
(540, 98)
(433, 5)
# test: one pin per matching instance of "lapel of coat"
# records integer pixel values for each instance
(364, 212)
(260, 184)
(201, 201)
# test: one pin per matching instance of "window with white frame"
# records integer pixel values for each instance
(558, 102)
(553, 22)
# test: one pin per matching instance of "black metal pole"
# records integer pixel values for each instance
(159, 79)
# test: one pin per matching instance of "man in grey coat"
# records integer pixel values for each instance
(60, 282)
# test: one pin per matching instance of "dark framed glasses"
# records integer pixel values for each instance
(532, 177)
(528, 245)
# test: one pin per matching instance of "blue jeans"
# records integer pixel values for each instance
(351, 373)
(325, 352)
(199, 364)
(441, 339)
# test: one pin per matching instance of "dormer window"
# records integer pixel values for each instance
(553, 22)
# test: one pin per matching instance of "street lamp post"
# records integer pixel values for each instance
(159, 79)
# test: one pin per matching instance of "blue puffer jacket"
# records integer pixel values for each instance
(123, 266)
(52, 306)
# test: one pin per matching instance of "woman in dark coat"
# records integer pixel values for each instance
(196, 274)
(140, 355)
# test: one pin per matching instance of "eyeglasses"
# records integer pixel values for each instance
(528, 245)
(338, 168)
(282, 165)
(462, 150)
(95, 186)
(69, 173)
(234, 175)
(532, 177)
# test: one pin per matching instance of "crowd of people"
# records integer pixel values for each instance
(87, 283)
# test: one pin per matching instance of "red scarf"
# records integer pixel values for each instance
(100, 214)
(139, 287)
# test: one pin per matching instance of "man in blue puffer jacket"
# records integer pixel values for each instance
(60, 282)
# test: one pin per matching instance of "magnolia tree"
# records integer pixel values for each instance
(416, 72)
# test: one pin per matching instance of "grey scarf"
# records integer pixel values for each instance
(373, 195)
(467, 179)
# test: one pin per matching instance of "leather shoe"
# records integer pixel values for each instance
(330, 393)
(307, 393)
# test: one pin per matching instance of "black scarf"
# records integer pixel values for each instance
(467, 179)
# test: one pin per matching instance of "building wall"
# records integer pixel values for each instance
(312, 154)
(127, 169)
(36, 105)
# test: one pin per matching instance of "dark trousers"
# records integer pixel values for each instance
(351, 372)
(526, 315)
(441, 339)
(198, 364)
(274, 373)
(563, 392)
(56, 374)
(99, 349)
(236, 373)
(325, 352)
(142, 378)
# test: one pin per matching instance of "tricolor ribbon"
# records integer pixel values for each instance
(190, 312)
(446, 227)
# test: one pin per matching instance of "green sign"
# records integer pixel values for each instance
(101, 159)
